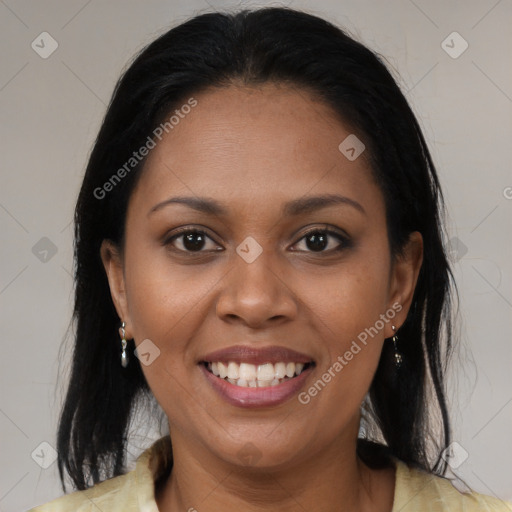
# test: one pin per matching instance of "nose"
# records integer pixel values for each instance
(256, 294)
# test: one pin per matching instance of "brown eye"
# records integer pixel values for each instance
(190, 240)
(318, 240)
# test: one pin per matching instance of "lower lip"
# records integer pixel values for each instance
(256, 397)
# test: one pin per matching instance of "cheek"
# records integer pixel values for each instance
(347, 309)
(164, 304)
(162, 294)
(350, 298)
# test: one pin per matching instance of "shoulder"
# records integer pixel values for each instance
(417, 490)
(114, 494)
(130, 492)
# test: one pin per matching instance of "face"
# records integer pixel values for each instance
(268, 277)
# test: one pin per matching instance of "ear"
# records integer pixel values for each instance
(113, 264)
(403, 279)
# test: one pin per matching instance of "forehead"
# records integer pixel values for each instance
(255, 146)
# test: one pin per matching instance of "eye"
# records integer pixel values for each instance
(319, 239)
(190, 240)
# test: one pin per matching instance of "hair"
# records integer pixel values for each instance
(254, 47)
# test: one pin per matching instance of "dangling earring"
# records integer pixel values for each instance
(398, 356)
(124, 355)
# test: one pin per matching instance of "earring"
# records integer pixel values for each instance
(398, 355)
(124, 355)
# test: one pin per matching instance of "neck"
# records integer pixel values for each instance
(333, 480)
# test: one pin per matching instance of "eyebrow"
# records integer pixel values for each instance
(291, 208)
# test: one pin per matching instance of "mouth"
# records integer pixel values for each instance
(247, 375)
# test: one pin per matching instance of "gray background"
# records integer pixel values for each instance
(51, 110)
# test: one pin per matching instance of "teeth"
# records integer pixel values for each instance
(280, 369)
(233, 371)
(247, 371)
(266, 372)
(223, 370)
(255, 376)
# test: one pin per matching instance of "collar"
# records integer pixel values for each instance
(151, 465)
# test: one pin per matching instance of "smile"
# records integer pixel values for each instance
(256, 376)
(249, 376)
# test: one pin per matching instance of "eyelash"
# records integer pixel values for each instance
(344, 241)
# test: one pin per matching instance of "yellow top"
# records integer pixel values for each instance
(415, 490)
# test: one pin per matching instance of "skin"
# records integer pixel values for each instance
(252, 149)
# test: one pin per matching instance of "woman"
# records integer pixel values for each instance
(259, 245)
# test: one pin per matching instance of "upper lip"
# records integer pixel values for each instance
(251, 355)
